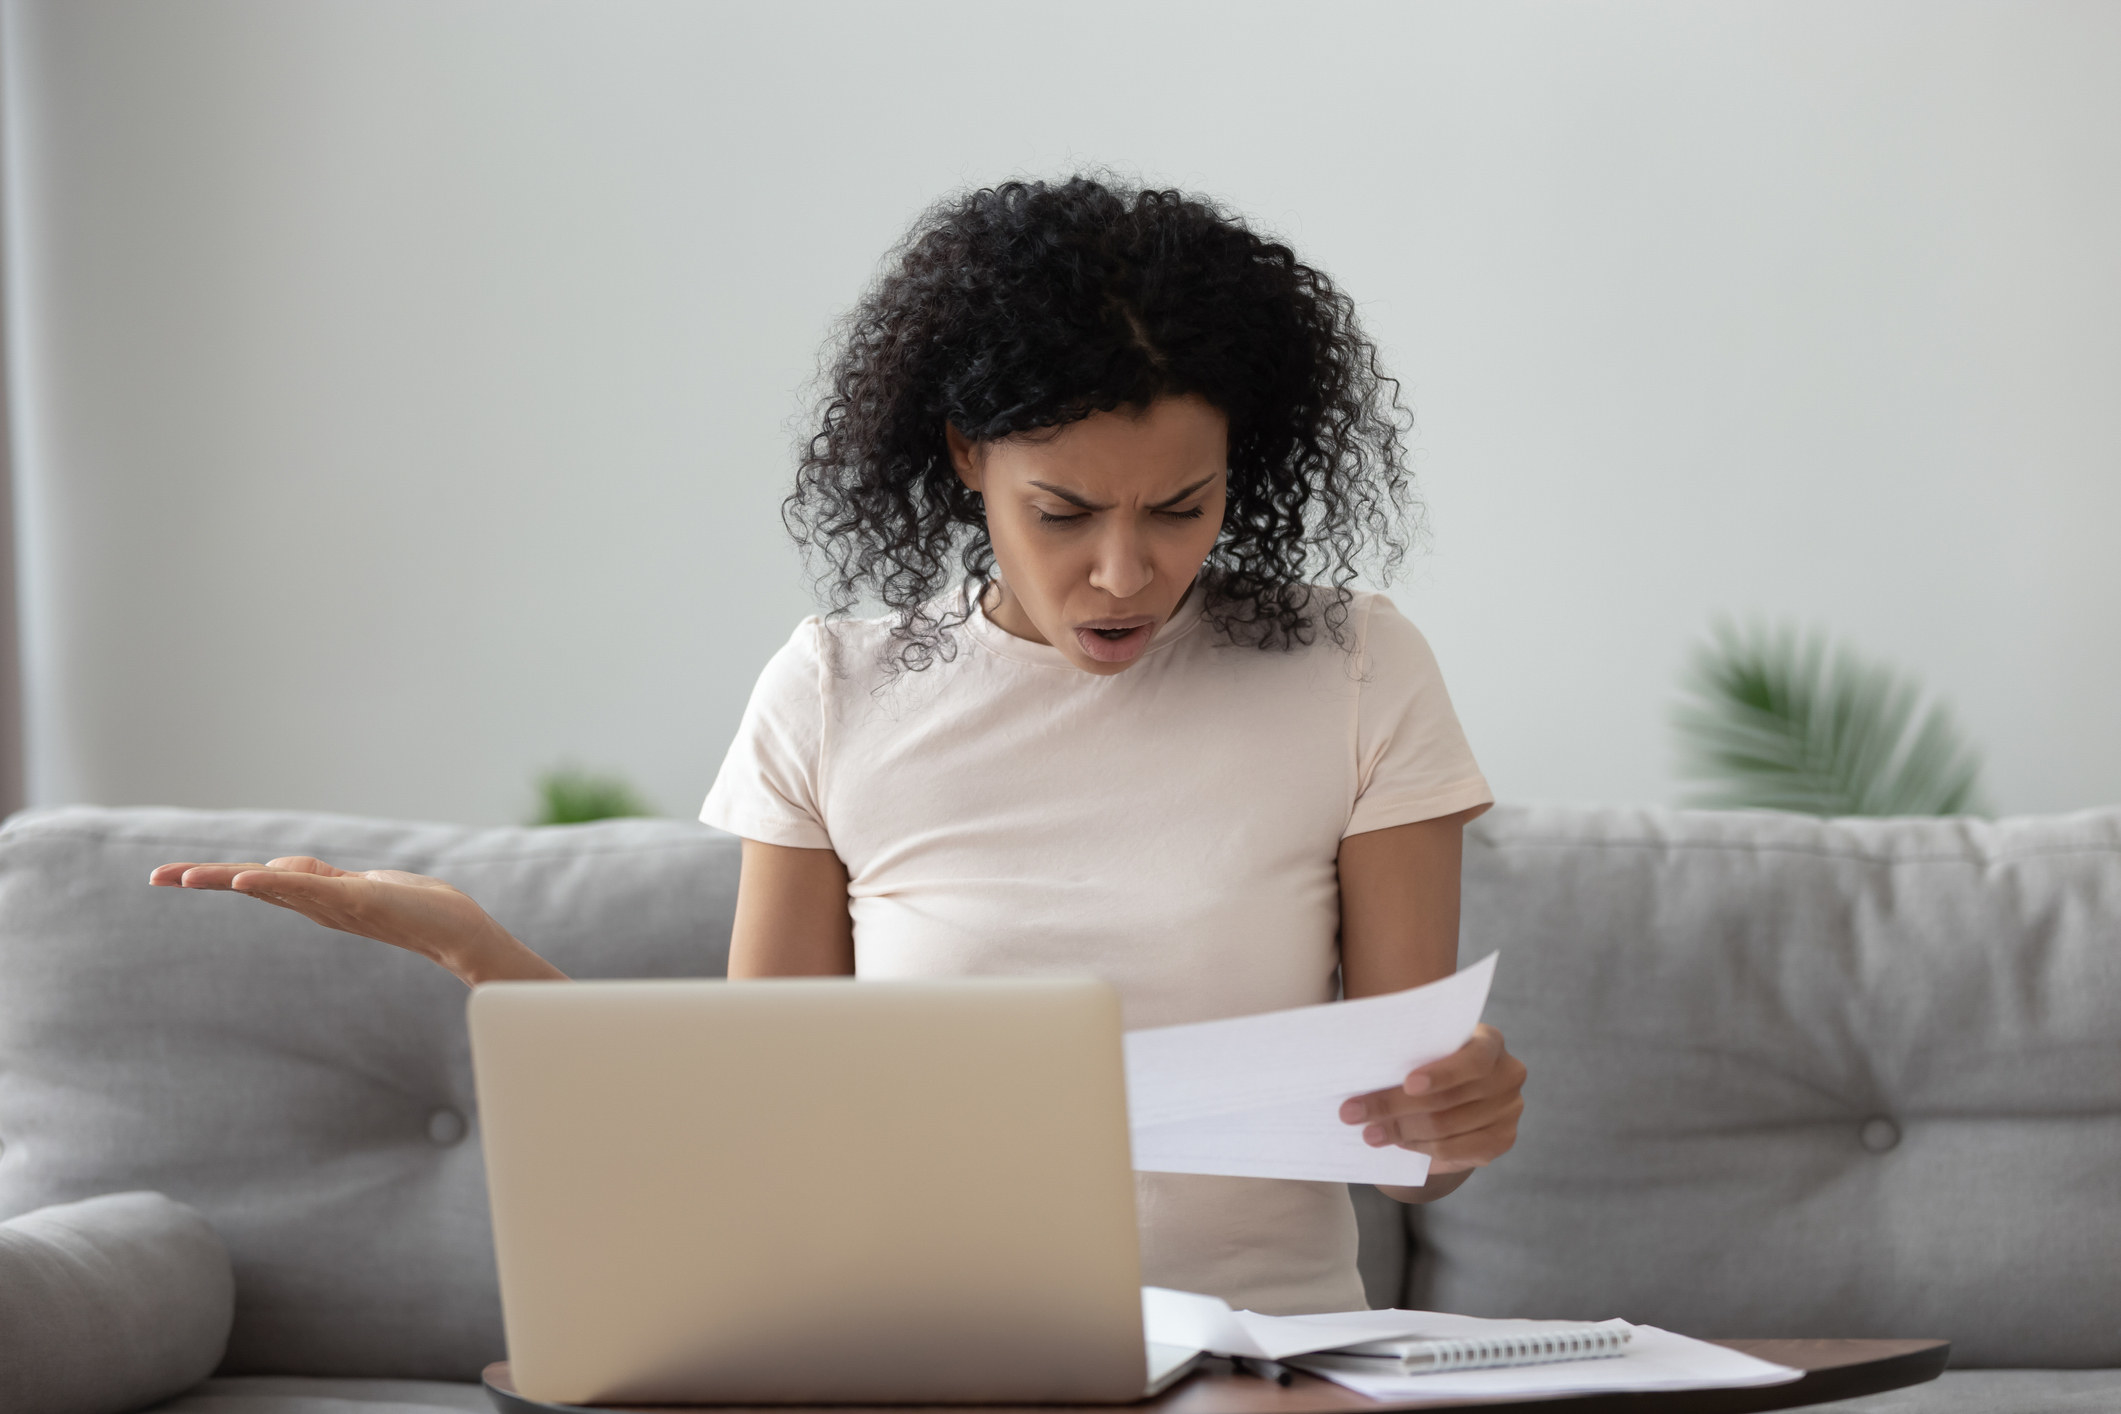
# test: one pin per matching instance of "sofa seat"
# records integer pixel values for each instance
(287, 1394)
(1993, 1392)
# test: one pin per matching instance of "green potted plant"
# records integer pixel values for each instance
(569, 795)
(1783, 719)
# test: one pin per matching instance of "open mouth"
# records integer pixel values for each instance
(1115, 641)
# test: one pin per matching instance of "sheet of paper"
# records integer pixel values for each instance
(1207, 1323)
(1259, 1096)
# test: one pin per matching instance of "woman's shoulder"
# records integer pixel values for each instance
(1381, 626)
(836, 654)
(827, 635)
(1342, 622)
(828, 643)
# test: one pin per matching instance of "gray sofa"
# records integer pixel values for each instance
(1788, 1078)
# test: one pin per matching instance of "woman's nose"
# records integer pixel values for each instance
(1122, 568)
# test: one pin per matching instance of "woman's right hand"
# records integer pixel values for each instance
(409, 911)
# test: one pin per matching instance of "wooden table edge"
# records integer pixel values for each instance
(1833, 1369)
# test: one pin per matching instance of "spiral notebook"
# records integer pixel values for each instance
(1540, 1360)
(1414, 1355)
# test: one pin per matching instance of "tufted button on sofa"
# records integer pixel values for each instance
(1878, 1134)
(1789, 1077)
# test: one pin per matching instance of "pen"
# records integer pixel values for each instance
(1266, 1369)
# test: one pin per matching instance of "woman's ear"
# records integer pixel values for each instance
(964, 456)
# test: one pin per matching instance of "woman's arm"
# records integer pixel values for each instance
(791, 914)
(1399, 929)
(409, 911)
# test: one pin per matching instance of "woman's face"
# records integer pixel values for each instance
(1099, 527)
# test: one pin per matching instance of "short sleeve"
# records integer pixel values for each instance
(768, 787)
(1412, 761)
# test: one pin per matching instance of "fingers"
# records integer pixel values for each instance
(222, 876)
(308, 886)
(305, 864)
(405, 910)
(1483, 1066)
(1425, 1131)
(338, 900)
(1470, 1151)
(197, 876)
(281, 885)
(1462, 1110)
(1476, 1058)
(400, 876)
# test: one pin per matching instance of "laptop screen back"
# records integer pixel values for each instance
(810, 1190)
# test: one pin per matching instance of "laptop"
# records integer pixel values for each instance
(813, 1191)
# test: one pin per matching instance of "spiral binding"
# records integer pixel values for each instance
(1526, 1349)
(1427, 1356)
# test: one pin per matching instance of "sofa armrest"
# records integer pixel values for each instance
(110, 1304)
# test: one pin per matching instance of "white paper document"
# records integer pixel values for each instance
(1260, 1096)
(1207, 1323)
(1654, 1359)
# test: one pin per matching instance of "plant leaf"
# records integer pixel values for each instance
(571, 796)
(1784, 720)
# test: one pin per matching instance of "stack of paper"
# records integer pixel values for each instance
(1260, 1096)
(1654, 1360)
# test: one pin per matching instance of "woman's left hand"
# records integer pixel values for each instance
(1461, 1111)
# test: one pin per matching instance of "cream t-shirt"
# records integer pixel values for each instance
(1172, 829)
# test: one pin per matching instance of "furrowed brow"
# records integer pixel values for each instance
(1069, 496)
(1167, 504)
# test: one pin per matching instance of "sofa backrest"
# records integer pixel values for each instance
(1793, 1077)
(310, 1092)
(1789, 1077)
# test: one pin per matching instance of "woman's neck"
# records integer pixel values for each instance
(1005, 613)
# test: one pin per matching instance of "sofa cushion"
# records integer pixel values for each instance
(287, 1395)
(308, 1091)
(1793, 1077)
(109, 1303)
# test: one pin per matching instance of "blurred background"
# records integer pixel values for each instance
(400, 395)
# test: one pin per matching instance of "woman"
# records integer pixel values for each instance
(1089, 447)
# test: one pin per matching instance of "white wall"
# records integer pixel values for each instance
(405, 391)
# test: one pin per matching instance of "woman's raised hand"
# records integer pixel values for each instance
(409, 911)
(1461, 1111)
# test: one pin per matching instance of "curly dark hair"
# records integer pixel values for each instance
(1030, 305)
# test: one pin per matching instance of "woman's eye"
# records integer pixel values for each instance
(1046, 517)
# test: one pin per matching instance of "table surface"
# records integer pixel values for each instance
(1834, 1369)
